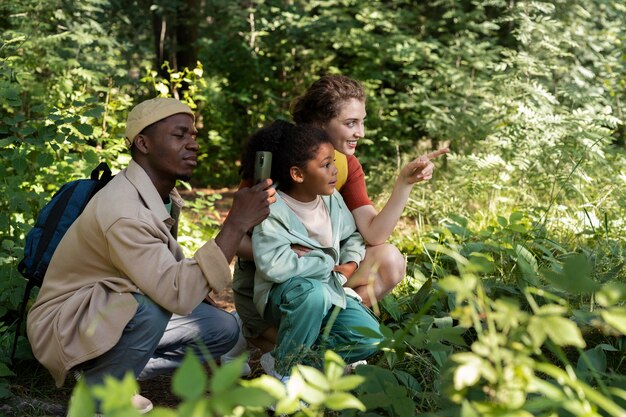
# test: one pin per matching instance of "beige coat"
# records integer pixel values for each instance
(123, 243)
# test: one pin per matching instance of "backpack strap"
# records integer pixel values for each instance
(29, 286)
(53, 221)
(101, 173)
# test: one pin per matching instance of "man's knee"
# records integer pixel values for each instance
(215, 324)
(231, 331)
(149, 322)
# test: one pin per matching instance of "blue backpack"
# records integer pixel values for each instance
(52, 222)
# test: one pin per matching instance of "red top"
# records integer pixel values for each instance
(354, 192)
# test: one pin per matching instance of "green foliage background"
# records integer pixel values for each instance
(528, 95)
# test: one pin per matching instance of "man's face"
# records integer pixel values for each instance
(173, 147)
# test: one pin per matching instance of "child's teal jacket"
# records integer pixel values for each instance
(276, 262)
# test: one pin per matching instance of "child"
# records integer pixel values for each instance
(298, 290)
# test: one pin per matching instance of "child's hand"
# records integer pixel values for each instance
(346, 269)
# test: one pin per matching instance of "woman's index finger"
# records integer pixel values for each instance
(437, 153)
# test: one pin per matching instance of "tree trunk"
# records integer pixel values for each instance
(175, 36)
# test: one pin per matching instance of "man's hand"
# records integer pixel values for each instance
(421, 169)
(346, 269)
(250, 207)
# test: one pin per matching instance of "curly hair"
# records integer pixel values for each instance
(323, 100)
(291, 145)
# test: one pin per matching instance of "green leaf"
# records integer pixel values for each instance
(373, 400)
(467, 410)
(408, 381)
(420, 297)
(5, 371)
(26, 130)
(20, 164)
(269, 384)
(94, 112)
(85, 129)
(226, 376)
(81, 403)
(251, 397)
(527, 264)
(481, 263)
(115, 395)
(592, 360)
(5, 391)
(367, 332)
(468, 372)
(314, 377)
(163, 412)
(189, 380)
(403, 406)
(616, 317)
(515, 217)
(347, 383)
(8, 245)
(45, 159)
(561, 331)
(518, 228)
(341, 401)
(611, 294)
(575, 276)
(334, 366)
(451, 284)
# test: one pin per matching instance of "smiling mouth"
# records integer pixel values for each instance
(191, 160)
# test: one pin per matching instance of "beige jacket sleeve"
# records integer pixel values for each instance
(178, 285)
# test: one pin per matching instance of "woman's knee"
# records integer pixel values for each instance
(390, 262)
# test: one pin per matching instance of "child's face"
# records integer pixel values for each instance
(319, 175)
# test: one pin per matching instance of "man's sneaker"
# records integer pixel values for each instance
(240, 347)
(141, 403)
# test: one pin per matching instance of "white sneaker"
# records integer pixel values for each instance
(352, 366)
(269, 366)
(240, 347)
(141, 404)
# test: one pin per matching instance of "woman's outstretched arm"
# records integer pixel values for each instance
(377, 227)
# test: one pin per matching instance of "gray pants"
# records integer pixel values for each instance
(155, 341)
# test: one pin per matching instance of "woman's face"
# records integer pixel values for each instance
(348, 127)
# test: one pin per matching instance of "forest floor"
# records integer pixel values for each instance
(36, 395)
